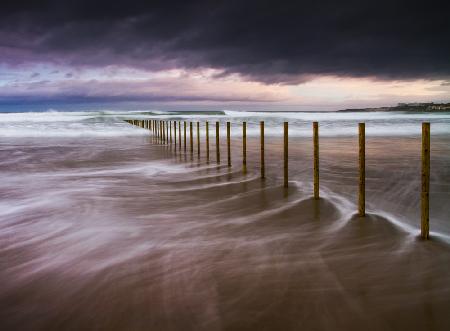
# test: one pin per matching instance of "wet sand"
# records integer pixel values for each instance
(124, 234)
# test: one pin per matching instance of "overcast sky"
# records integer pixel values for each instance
(332, 54)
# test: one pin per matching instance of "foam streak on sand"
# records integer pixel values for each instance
(102, 228)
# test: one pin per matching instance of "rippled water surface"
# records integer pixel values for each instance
(102, 227)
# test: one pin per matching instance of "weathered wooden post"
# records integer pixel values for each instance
(185, 136)
(262, 166)
(198, 139)
(167, 131)
(217, 144)
(229, 144)
(316, 159)
(286, 154)
(170, 130)
(179, 134)
(362, 170)
(191, 139)
(175, 133)
(207, 142)
(425, 196)
(244, 147)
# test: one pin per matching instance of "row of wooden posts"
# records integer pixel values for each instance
(162, 130)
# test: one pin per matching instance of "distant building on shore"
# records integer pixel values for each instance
(425, 106)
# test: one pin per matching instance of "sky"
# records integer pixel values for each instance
(298, 54)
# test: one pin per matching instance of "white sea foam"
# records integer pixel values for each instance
(109, 123)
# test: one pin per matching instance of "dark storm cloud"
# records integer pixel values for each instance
(265, 41)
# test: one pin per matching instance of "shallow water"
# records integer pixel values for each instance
(103, 228)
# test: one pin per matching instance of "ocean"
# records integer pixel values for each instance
(103, 227)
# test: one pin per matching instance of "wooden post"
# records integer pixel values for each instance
(263, 170)
(217, 144)
(185, 136)
(244, 147)
(229, 144)
(285, 154)
(191, 138)
(175, 133)
(316, 159)
(425, 196)
(362, 170)
(167, 132)
(170, 129)
(164, 131)
(179, 135)
(207, 142)
(198, 139)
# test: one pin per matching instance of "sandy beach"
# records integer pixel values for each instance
(121, 233)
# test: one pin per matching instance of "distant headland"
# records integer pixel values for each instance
(414, 107)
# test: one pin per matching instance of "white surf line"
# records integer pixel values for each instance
(211, 185)
(233, 197)
(351, 210)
